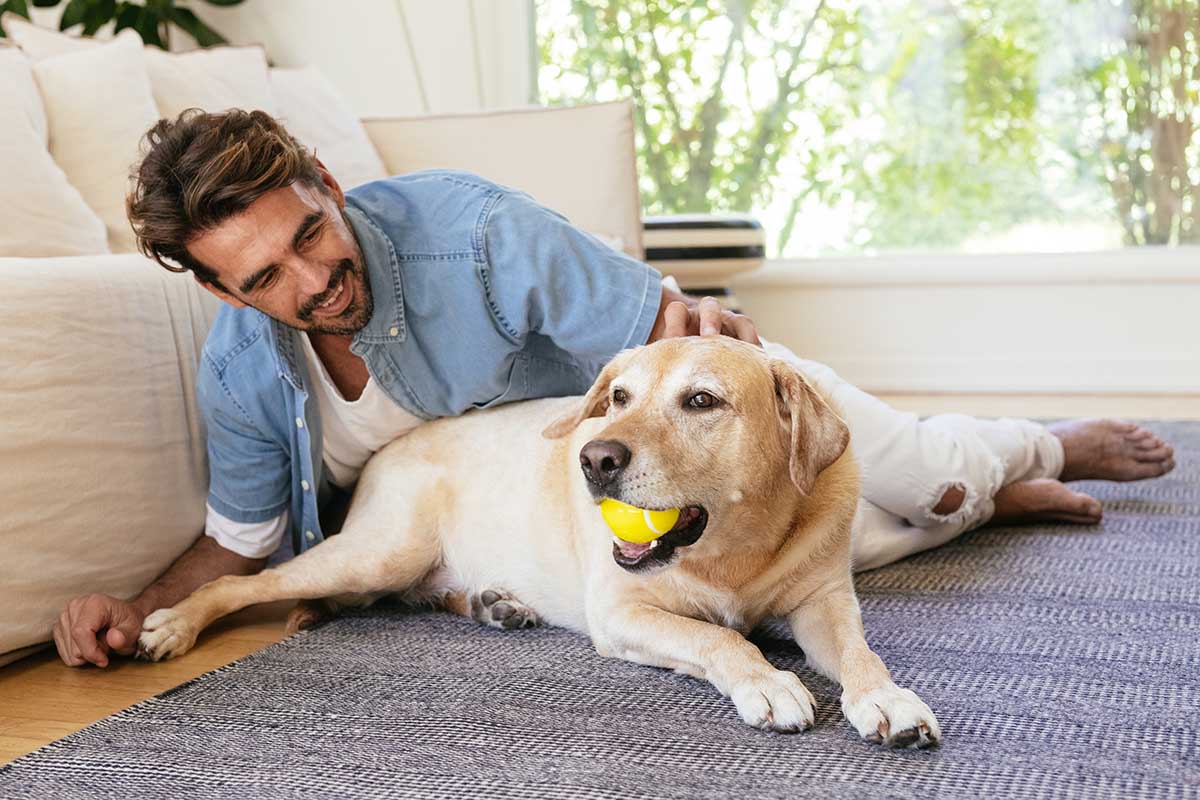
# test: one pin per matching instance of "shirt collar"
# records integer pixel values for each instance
(387, 292)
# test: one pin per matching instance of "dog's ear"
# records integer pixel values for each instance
(817, 436)
(593, 404)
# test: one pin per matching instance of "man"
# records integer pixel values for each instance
(349, 320)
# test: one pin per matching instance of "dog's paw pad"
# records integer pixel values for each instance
(497, 608)
(893, 717)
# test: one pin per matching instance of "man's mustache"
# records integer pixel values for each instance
(343, 267)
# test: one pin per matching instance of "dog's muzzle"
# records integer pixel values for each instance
(636, 557)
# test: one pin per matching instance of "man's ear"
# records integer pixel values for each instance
(593, 404)
(222, 295)
(331, 183)
(817, 436)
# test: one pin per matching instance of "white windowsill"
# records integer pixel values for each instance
(1131, 265)
(1114, 322)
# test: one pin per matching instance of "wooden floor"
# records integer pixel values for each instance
(42, 700)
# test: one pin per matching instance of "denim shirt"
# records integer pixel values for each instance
(481, 297)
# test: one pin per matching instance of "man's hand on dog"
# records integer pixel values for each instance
(92, 626)
(682, 316)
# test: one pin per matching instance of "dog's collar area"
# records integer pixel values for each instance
(641, 557)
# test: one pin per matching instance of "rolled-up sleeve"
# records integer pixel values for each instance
(249, 472)
(543, 275)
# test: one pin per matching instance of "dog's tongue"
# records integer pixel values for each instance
(632, 550)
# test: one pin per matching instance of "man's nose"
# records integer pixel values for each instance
(603, 461)
(312, 278)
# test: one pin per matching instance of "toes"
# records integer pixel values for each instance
(497, 608)
(1150, 469)
(893, 717)
(1143, 439)
(777, 701)
(1160, 453)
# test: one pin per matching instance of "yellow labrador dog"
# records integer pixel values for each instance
(484, 516)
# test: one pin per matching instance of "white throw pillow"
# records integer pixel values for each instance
(38, 42)
(314, 112)
(43, 214)
(98, 106)
(213, 79)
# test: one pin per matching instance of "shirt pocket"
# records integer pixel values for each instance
(517, 387)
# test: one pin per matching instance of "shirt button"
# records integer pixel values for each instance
(309, 535)
(304, 485)
(299, 422)
(393, 331)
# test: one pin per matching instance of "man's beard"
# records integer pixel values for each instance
(354, 316)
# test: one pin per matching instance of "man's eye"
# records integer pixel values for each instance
(619, 397)
(702, 400)
(311, 236)
(267, 281)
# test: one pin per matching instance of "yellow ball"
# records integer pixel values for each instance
(635, 524)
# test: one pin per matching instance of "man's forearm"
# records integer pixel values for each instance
(204, 561)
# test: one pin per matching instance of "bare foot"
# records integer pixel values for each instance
(1030, 501)
(1111, 450)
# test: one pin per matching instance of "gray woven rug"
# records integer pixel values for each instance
(1061, 662)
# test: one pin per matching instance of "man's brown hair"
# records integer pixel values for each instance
(200, 169)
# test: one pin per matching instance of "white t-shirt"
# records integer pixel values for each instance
(351, 433)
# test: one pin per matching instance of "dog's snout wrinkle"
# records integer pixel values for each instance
(603, 461)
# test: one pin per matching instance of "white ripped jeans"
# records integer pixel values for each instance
(908, 463)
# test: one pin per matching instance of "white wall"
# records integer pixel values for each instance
(1120, 322)
(362, 47)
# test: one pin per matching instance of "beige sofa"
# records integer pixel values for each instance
(101, 444)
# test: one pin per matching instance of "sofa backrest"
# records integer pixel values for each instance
(577, 160)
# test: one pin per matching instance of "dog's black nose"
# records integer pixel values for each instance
(603, 461)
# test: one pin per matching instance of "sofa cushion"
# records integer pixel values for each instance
(101, 442)
(98, 106)
(580, 160)
(315, 113)
(44, 215)
(214, 79)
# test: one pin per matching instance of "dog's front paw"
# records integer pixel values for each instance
(774, 701)
(893, 717)
(165, 634)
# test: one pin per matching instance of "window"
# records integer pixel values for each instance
(901, 125)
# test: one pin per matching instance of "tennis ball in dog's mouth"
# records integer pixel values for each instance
(634, 524)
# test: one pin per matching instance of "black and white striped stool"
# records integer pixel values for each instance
(704, 251)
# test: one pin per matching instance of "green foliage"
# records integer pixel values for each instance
(932, 123)
(1144, 99)
(151, 19)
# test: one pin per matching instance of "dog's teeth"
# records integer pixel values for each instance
(616, 541)
(654, 544)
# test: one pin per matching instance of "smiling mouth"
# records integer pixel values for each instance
(336, 300)
(637, 557)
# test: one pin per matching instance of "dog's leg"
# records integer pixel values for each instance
(829, 629)
(312, 613)
(766, 697)
(349, 563)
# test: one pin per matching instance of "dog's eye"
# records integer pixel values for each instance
(702, 400)
(619, 397)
